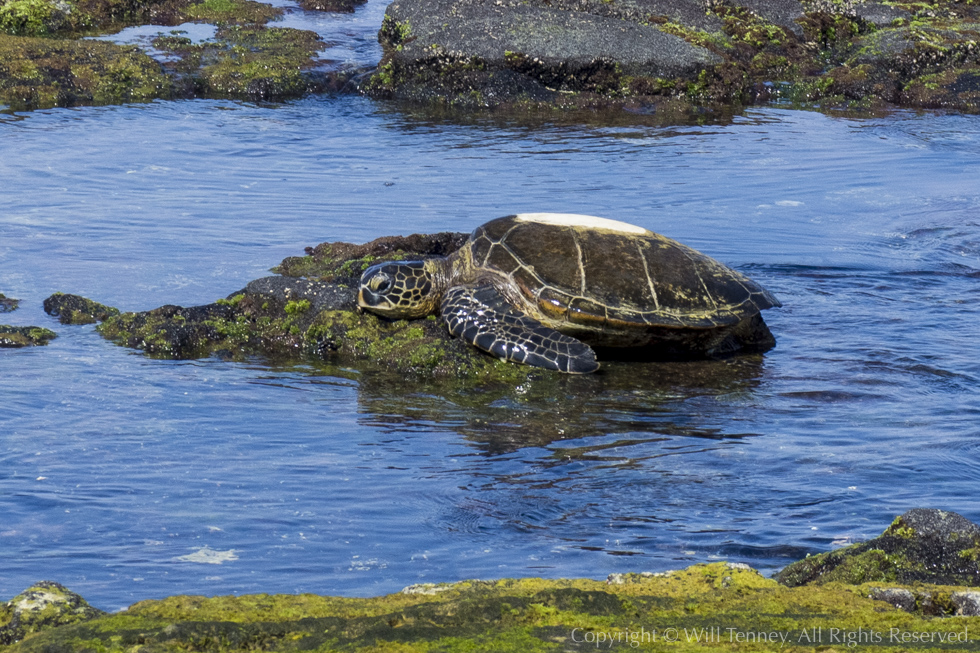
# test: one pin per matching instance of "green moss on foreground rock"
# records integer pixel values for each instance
(29, 336)
(715, 606)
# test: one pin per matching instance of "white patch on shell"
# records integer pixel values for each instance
(587, 221)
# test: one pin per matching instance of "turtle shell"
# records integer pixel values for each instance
(604, 275)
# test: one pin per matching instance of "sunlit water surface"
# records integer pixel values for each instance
(128, 478)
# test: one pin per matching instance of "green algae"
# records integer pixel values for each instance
(239, 12)
(309, 314)
(259, 62)
(717, 606)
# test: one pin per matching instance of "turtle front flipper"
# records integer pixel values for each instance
(482, 317)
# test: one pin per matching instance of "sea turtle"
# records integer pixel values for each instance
(539, 288)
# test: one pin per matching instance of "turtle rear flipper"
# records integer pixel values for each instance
(482, 317)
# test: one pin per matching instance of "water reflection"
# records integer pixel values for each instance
(656, 400)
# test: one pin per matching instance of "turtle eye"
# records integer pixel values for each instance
(380, 283)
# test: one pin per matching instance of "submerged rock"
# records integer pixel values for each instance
(922, 545)
(29, 336)
(8, 304)
(41, 607)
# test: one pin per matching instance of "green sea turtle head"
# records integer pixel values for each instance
(403, 289)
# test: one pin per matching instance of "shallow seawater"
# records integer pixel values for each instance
(128, 478)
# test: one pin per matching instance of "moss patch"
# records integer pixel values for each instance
(246, 59)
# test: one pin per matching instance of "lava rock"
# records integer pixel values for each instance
(922, 545)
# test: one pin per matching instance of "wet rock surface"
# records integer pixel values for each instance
(920, 546)
(650, 52)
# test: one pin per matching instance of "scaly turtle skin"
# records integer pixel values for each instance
(539, 288)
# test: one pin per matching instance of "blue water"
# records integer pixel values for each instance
(128, 478)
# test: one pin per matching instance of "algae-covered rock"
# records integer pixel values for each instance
(72, 309)
(310, 312)
(29, 336)
(716, 606)
(246, 59)
(922, 545)
(8, 304)
(40, 607)
(46, 72)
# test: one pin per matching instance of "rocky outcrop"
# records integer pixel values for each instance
(920, 546)
(702, 52)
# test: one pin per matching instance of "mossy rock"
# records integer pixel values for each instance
(29, 336)
(246, 59)
(41, 607)
(44, 72)
(716, 606)
(922, 545)
(72, 309)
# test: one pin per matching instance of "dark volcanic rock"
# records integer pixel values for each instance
(528, 50)
(588, 53)
(72, 309)
(922, 545)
